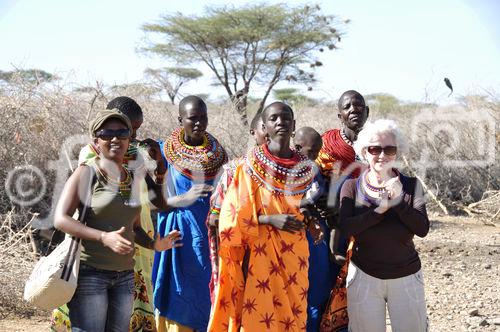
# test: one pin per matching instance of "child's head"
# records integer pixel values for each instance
(256, 129)
(308, 141)
(131, 109)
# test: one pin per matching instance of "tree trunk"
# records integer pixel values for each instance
(172, 98)
(240, 102)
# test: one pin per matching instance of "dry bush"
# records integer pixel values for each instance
(16, 261)
(474, 149)
(37, 118)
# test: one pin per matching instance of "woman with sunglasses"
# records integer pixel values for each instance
(383, 210)
(105, 292)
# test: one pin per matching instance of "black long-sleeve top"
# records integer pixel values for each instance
(383, 245)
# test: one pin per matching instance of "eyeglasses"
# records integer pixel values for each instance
(389, 150)
(109, 134)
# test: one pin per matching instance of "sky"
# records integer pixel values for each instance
(404, 48)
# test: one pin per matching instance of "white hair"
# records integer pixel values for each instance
(374, 129)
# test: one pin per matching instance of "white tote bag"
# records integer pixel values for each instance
(54, 278)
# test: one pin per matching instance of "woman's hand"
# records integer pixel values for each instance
(285, 222)
(384, 204)
(394, 187)
(153, 148)
(316, 231)
(168, 242)
(154, 152)
(116, 242)
(391, 195)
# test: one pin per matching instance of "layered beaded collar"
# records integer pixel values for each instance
(369, 192)
(280, 176)
(202, 160)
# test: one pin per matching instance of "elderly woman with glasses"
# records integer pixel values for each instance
(382, 210)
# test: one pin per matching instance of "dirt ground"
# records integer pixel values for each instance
(460, 259)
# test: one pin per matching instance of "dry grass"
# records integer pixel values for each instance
(16, 261)
(38, 118)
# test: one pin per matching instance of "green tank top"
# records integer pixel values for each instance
(112, 206)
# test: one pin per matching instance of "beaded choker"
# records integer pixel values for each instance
(282, 176)
(124, 187)
(369, 192)
(132, 156)
(191, 161)
(367, 183)
(344, 137)
(372, 187)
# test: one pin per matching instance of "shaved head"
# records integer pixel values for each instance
(190, 103)
(350, 93)
(276, 105)
(308, 141)
(309, 133)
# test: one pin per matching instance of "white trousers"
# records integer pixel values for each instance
(368, 296)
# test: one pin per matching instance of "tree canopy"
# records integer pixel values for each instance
(31, 75)
(261, 44)
(290, 96)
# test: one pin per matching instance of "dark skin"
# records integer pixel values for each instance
(156, 197)
(110, 160)
(136, 124)
(194, 120)
(258, 134)
(308, 141)
(260, 138)
(353, 113)
(279, 124)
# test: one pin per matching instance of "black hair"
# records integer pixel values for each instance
(277, 103)
(195, 100)
(127, 106)
(351, 93)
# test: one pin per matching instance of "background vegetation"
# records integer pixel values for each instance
(243, 48)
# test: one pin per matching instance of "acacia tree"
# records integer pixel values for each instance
(171, 79)
(33, 76)
(289, 95)
(258, 43)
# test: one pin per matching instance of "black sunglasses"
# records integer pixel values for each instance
(389, 150)
(109, 134)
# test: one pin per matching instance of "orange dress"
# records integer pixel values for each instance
(272, 293)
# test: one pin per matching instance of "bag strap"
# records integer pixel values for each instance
(70, 258)
(82, 215)
(82, 210)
